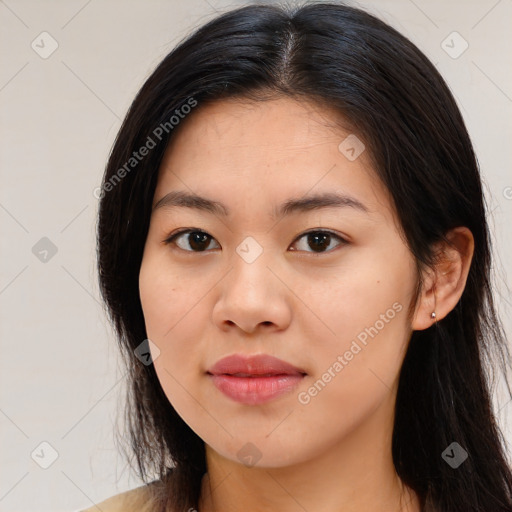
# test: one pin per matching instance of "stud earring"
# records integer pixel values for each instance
(433, 315)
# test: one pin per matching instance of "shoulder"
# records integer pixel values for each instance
(136, 500)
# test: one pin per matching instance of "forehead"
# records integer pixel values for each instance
(281, 125)
(238, 150)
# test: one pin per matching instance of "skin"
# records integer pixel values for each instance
(303, 306)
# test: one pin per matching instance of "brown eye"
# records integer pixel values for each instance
(191, 240)
(320, 241)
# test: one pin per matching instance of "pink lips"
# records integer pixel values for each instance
(254, 379)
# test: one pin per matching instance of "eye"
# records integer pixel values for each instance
(319, 240)
(199, 241)
(196, 239)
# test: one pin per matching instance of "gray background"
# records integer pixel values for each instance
(61, 377)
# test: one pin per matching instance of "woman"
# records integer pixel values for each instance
(293, 248)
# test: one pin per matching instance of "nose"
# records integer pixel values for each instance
(253, 296)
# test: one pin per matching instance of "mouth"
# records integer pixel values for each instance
(253, 375)
(254, 380)
(255, 389)
(254, 365)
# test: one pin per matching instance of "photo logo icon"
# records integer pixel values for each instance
(249, 250)
(44, 250)
(454, 45)
(249, 455)
(454, 455)
(44, 45)
(44, 455)
(351, 147)
(147, 352)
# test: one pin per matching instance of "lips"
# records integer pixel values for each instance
(254, 379)
(257, 365)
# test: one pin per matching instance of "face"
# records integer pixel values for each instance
(322, 285)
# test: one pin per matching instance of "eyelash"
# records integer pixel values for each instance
(170, 240)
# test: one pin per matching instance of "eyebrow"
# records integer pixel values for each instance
(179, 198)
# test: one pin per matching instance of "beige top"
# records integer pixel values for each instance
(135, 500)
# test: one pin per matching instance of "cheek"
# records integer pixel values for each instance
(167, 295)
(363, 313)
(355, 369)
(171, 303)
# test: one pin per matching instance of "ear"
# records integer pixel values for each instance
(443, 285)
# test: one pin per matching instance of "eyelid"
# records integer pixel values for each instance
(343, 241)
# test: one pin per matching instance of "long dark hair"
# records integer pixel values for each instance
(396, 101)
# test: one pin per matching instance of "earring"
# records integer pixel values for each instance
(433, 315)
